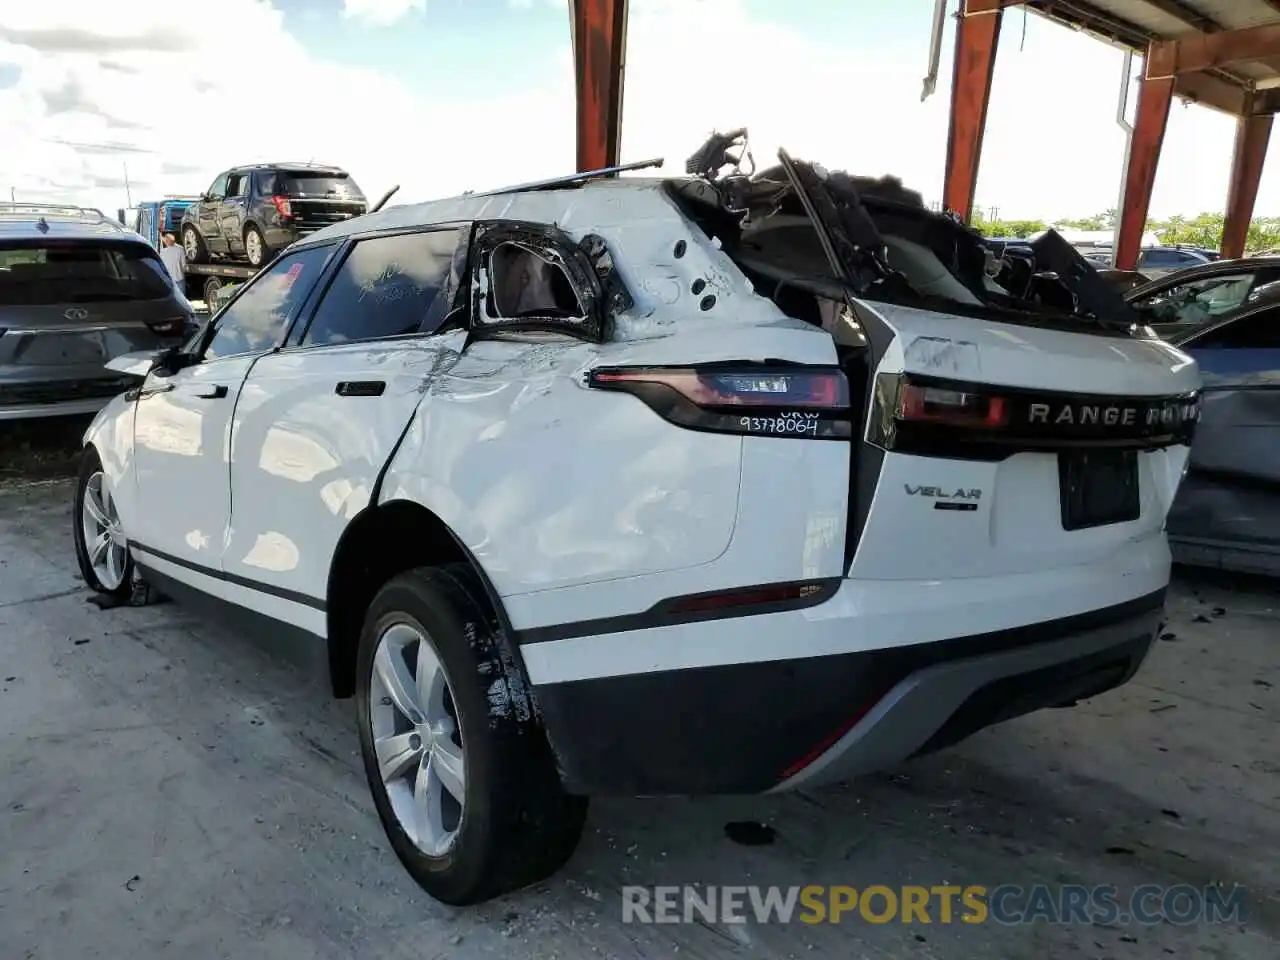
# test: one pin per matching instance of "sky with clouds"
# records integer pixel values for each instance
(442, 96)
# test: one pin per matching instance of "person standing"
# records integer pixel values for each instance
(175, 261)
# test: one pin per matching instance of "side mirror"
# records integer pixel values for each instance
(172, 360)
(136, 364)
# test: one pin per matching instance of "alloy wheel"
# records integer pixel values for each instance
(416, 738)
(104, 539)
(253, 247)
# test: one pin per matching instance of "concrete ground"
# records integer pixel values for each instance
(167, 789)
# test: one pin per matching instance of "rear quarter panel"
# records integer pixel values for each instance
(581, 503)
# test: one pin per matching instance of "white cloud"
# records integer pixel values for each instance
(129, 82)
(380, 12)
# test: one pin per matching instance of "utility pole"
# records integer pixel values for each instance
(128, 196)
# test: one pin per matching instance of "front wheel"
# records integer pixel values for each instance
(256, 250)
(102, 551)
(465, 786)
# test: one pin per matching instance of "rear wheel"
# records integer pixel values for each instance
(102, 551)
(466, 788)
(256, 250)
(193, 245)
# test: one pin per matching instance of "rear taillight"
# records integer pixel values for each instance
(282, 206)
(168, 328)
(958, 408)
(760, 400)
(927, 416)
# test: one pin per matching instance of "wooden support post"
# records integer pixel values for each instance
(977, 37)
(599, 30)
(1154, 99)
(1253, 133)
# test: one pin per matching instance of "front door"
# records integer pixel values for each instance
(318, 420)
(182, 429)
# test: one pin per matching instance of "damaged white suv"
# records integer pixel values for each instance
(725, 483)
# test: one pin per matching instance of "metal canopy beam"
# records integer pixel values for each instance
(1154, 99)
(599, 30)
(1204, 51)
(977, 38)
(1252, 136)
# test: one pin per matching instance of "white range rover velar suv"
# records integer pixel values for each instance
(722, 483)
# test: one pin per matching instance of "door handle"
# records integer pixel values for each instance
(360, 388)
(216, 392)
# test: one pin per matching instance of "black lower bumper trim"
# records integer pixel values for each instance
(740, 728)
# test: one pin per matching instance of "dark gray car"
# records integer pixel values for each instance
(1227, 512)
(1176, 304)
(76, 289)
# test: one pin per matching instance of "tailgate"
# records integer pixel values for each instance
(1088, 456)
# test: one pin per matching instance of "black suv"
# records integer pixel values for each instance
(252, 212)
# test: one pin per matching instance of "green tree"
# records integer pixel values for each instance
(1008, 228)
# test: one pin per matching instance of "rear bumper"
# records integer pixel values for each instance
(280, 237)
(782, 724)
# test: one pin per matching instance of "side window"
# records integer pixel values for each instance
(266, 184)
(219, 187)
(1256, 331)
(238, 185)
(256, 321)
(1157, 258)
(1201, 300)
(526, 283)
(387, 287)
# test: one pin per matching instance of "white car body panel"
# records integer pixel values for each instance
(180, 460)
(304, 460)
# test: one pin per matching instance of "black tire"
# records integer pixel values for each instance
(265, 253)
(90, 464)
(211, 287)
(193, 244)
(518, 825)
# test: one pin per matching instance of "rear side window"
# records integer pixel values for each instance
(387, 287)
(80, 271)
(255, 321)
(300, 183)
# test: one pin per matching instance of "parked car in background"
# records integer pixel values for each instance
(1191, 298)
(76, 289)
(1123, 280)
(1227, 512)
(897, 504)
(253, 212)
(1158, 261)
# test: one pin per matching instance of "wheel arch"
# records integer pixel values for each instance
(110, 435)
(386, 539)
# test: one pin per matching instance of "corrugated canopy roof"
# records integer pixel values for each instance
(1224, 53)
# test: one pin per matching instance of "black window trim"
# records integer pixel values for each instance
(302, 322)
(281, 340)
